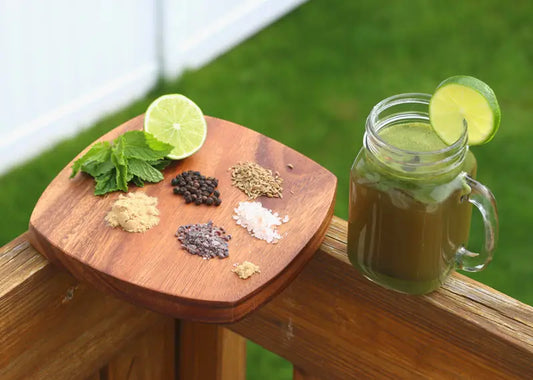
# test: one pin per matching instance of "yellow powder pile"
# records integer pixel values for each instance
(134, 212)
(246, 269)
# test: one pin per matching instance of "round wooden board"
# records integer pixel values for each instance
(151, 269)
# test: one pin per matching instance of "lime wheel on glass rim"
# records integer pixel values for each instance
(461, 101)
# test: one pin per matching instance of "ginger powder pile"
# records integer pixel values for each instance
(245, 270)
(134, 212)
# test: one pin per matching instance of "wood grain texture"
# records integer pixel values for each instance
(54, 327)
(299, 374)
(150, 269)
(95, 376)
(151, 356)
(334, 324)
(208, 351)
(330, 322)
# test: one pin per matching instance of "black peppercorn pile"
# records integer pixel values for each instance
(196, 188)
(205, 240)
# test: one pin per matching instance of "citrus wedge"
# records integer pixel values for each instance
(178, 121)
(462, 101)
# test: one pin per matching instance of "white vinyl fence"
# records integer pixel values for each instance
(65, 63)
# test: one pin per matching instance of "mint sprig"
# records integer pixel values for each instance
(134, 156)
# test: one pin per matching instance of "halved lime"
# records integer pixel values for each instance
(176, 120)
(464, 101)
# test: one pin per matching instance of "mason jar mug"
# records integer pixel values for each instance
(410, 201)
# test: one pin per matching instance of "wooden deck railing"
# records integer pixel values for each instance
(330, 323)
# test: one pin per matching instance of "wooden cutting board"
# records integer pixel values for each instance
(151, 269)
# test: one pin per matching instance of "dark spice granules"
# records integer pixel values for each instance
(196, 188)
(205, 240)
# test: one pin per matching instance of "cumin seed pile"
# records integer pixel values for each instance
(255, 180)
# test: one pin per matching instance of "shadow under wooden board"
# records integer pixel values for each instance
(151, 269)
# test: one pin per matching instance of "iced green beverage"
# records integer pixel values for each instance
(412, 187)
(404, 234)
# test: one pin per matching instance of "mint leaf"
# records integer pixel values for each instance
(144, 170)
(134, 156)
(96, 169)
(141, 145)
(137, 181)
(160, 164)
(119, 160)
(99, 152)
(117, 152)
(121, 176)
(106, 183)
(157, 145)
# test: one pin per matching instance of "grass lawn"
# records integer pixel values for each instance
(311, 79)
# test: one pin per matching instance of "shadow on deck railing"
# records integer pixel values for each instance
(330, 323)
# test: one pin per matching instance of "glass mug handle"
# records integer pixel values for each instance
(482, 198)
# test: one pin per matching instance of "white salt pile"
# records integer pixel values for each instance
(259, 221)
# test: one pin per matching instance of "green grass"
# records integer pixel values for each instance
(310, 80)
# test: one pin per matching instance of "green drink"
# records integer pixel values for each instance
(419, 235)
(415, 137)
(409, 215)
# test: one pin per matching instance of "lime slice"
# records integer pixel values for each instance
(178, 121)
(462, 101)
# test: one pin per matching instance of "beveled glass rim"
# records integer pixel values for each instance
(419, 163)
(400, 99)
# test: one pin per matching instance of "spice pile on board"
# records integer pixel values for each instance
(205, 240)
(255, 180)
(197, 188)
(245, 270)
(134, 212)
(259, 221)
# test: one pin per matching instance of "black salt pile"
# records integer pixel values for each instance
(205, 240)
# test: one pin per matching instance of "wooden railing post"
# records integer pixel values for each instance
(149, 356)
(213, 352)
